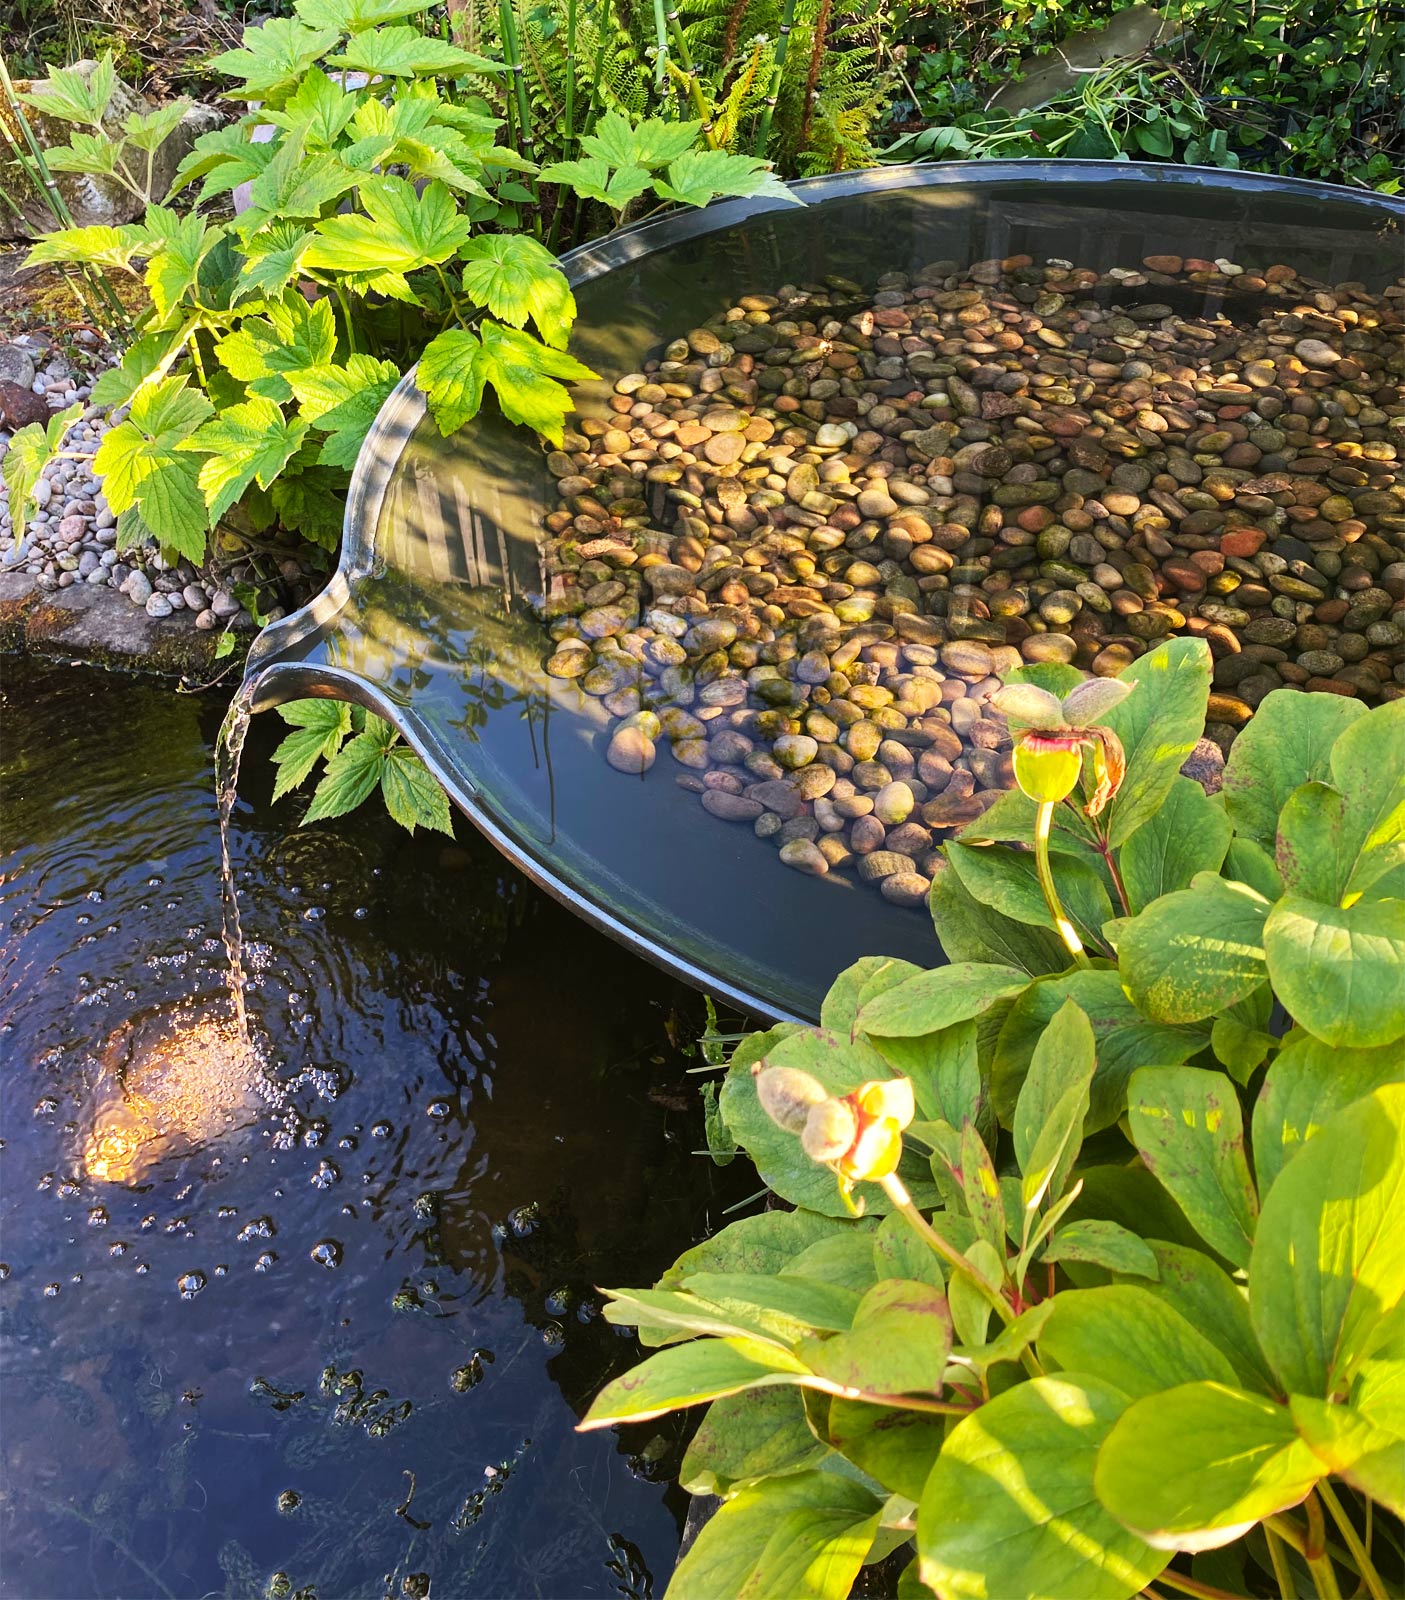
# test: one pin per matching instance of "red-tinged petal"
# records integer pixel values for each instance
(887, 1097)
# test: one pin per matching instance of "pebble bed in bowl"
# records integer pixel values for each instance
(817, 532)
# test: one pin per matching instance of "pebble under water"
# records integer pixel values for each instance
(321, 1325)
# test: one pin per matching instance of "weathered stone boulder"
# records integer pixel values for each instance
(95, 199)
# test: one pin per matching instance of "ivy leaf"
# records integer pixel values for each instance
(411, 795)
(456, 366)
(31, 449)
(594, 179)
(312, 502)
(402, 52)
(244, 442)
(401, 231)
(273, 57)
(98, 246)
(650, 143)
(320, 728)
(515, 277)
(703, 175)
(163, 414)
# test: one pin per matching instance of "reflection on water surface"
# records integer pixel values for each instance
(324, 1322)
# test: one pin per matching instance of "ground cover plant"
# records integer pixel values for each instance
(1090, 1287)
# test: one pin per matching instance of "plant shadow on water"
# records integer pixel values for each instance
(323, 1322)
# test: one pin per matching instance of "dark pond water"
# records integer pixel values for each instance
(338, 1326)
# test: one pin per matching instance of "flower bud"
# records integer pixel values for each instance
(830, 1130)
(1092, 700)
(887, 1097)
(787, 1095)
(875, 1153)
(1027, 703)
(1047, 767)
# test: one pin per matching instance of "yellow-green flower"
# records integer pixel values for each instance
(1049, 746)
(858, 1135)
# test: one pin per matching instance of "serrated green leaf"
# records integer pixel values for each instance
(99, 245)
(85, 152)
(185, 242)
(400, 232)
(271, 260)
(31, 449)
(312, 502)
(594, 179)
(317, 111)
(650, 143)
(699, 176)
(517, 278)
(352, 774)
(455, 367)
(174, 508)
(354, 16)
(412, 797)
(295, 185)
(225, 158)
(149, 130)
(320, 727)
(73, 96)
(162, 414)
(246, 442)
(450, 375)
(273, 58)
(402, 52)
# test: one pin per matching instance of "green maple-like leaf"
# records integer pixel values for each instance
(31, 449)
(85, 152)
(73, 96)
(173, 507)
(595, 179)
(225, 158)
(180, 245)
(320, 727)
(293, 335)
(293, 185)
(149, 130)
(249, 442)
(521, 370)
(312, 502)
(402, 52)
(271, 259)
(273, 58)
(163, 414)
(343, 402)
(317, 111)
(515, 277)
(703, 175)
(354, 16)
(411, 795)
(99, 245)
(400, 232)
(652, 143)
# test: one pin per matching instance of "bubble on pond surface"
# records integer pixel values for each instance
(265, 1262)
(190, 1284)
(4, 1270)
(98, 1217)
(259, 1228)
(325, 1175)
(289, 1501)
(326, 1253)
(439, 1110)
(51, 1291)
(46, 1107)
(382, 1130)
(118, 1247)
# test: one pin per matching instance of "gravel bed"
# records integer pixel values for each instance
(818, 531)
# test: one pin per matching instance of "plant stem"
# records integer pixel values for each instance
(690, 71)
(1074, 945)
(660, 45)
(569, 131)
(763, 132)
(1282, 1573)
(896, 1190)
(1206, 1591)
(1369, 1576)
(1316, 1555)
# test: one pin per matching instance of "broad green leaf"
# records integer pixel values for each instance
(663, 1316)
(521, 372)
(1307, 1084)
(319, 727)
(840, 1066)
(840, 1007)
(162, 414)
(1124, 1037)
(273, 58)
(594, 179)
(31, 449)
(763, 1244)
(224, 157)
(897, 1448)
(172, 272)
(845, 1260)
(981, 1188)
(1104, 1244)
(1009, 1508)
(173, 507)
(804, 1537)
(1195, 952)
(1350, 1446)
(322, 388)
(400, 231)
(405, 52)
(1052, 1103)
(351, 776)
(411, 795)
(815, 1304)
(354, 16)
(1329, 1254)
(1188, 835)
(650, 143)
(1288, 743)
(318, 110)
(272, 259)
(687, 1374)
(1368, 768)
(1246, 861)
(292, 337)
(515, 277)
(149, 130)
(699, 176)
(311, 502)
(1158, 724)
(898, 1252)
(970, 931)
(898, 1344)
(74, 96)
(1131, 1339)
(99, 245)
(1130, 1195)
(247, 442)
(944, 1070)
(970, 1309)
(297, 186)
(939, 998)
(1196, 1466)
(1187, 1125)
(1007, 881)
(1209, 1299)
(450, 373)
(1239, 1043)
(1340, 973)
(761, 1433)
(85, 152)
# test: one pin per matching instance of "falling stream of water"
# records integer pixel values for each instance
(229, 747)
